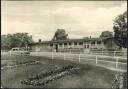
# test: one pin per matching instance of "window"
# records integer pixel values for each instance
(51, 45)
(84, 46)
(15, 49)
(98, 42)
(93, 42)
(60, 44)
(75, 43)
(87, 46)
(65, 44)
(80, 43)
(69, 43)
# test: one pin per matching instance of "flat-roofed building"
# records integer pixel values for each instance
(84, 45)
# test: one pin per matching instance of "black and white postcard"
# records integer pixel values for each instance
(64, 44)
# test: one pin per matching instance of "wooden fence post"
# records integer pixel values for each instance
(79, 58)
(117, 62)
(102, 52)
(96, 59)
(80, 50)
(10, 53)
(114, 53)
(52, 56)
(64, 56)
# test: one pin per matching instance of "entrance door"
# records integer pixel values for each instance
(56, 47)
(86, 48)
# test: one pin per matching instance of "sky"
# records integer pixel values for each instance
(42, 18)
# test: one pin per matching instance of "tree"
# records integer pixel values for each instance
(60, 35)
(16, 40)
(106, 34)
(107, 38)
(5, 42)
(120, 30)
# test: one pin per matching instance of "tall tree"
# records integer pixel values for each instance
(60, 34)
(120, 30)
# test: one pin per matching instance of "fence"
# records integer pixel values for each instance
(110, 53)
(93, 52)
(111, 62)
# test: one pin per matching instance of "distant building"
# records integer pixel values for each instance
(85, 45)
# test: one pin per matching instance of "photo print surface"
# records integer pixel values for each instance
(64, 44)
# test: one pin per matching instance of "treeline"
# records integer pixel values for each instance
(15, 40)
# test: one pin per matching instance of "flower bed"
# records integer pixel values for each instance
(49, 76)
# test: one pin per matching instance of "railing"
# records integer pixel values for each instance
(111, 62)
(95, 52)
(110, 53)
(81, 51)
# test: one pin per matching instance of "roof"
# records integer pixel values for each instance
(68, 40)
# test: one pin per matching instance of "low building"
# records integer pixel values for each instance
(83, 45)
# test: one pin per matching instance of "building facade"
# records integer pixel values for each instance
(82, 45)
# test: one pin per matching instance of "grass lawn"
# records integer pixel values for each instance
(89, 76)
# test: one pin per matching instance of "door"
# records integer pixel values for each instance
(56, 47)
(86, 48)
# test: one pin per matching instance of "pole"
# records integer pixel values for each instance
(64, 56)
(114, 53)
(102, 52)
(117, 62)
(52, 56)
(79, 58)
(96, 59)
